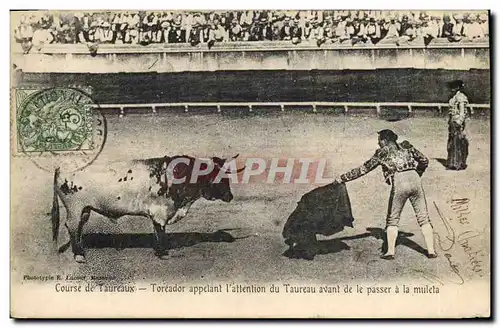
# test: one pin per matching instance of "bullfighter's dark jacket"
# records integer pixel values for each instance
(404, 157)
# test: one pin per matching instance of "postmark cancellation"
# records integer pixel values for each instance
(61, 125)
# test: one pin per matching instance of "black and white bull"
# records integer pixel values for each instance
(160, 189)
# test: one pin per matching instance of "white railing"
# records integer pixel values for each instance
(154, 107)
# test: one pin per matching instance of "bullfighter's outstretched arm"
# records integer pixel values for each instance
(367, 167)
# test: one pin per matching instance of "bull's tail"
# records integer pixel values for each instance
(55, 208)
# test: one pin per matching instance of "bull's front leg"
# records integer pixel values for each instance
(180, 213)
(160, 240)
(158, 215)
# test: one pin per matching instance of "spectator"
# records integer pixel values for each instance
(224, 22)
(372, 31)
(447, 30)
(254, 31)
(84, 28)
(349, 30)
(146, 29)
(157, 29)
(358, 32)
(318, 33)
(439, 24)
(121, 27)
(404, 25)
(178, 35)
(286, 30)
(434, 27)
(329, 27)
(234, 15)
(219, 32)
(307, 28)
(392, 31)
(458, 31)
(382, 24)
(197, 19)
(258, 15)
(474, 30)
(24, 35)
(246, 19)
(276, 30)
(104, 33)
(187, 22)
(205, 33)
(409, 35)
(132, 35)
(296, 32)
(430, 29)
(164, 28)
(211, 17)
(483, 23)
(195, 34)
(44, 34)
(116, 23)
(236, 31)
(266, 30)
(340, 33)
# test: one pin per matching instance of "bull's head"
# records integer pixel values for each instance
(220, 189)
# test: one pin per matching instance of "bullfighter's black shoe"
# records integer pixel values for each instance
(387, 257)
(431, 255)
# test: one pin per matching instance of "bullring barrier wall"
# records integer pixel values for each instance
(275, 55)
(264, 72)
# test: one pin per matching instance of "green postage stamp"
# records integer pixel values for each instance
(53, 120)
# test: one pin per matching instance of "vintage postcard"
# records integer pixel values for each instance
(250, 164)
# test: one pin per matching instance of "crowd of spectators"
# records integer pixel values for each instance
(319, 27)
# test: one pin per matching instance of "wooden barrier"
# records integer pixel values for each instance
(257, 55)
(239, 46)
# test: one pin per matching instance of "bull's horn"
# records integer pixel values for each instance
(236, 156)
(237, 171)
(241, 170)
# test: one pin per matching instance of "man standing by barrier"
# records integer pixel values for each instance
(402, 165)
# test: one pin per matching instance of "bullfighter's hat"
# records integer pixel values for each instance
(456, 84)
(388, 134)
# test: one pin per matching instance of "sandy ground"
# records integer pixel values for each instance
(259, 210)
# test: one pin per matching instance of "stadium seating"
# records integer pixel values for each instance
(345, 28)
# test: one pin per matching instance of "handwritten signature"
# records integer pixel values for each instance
(450, 232)
(461, 207)
(448, 242)
(455, 269)
(473, 256)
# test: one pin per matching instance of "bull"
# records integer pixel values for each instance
(159, 189)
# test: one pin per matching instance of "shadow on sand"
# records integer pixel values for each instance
(337, 244)
(146, 240)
